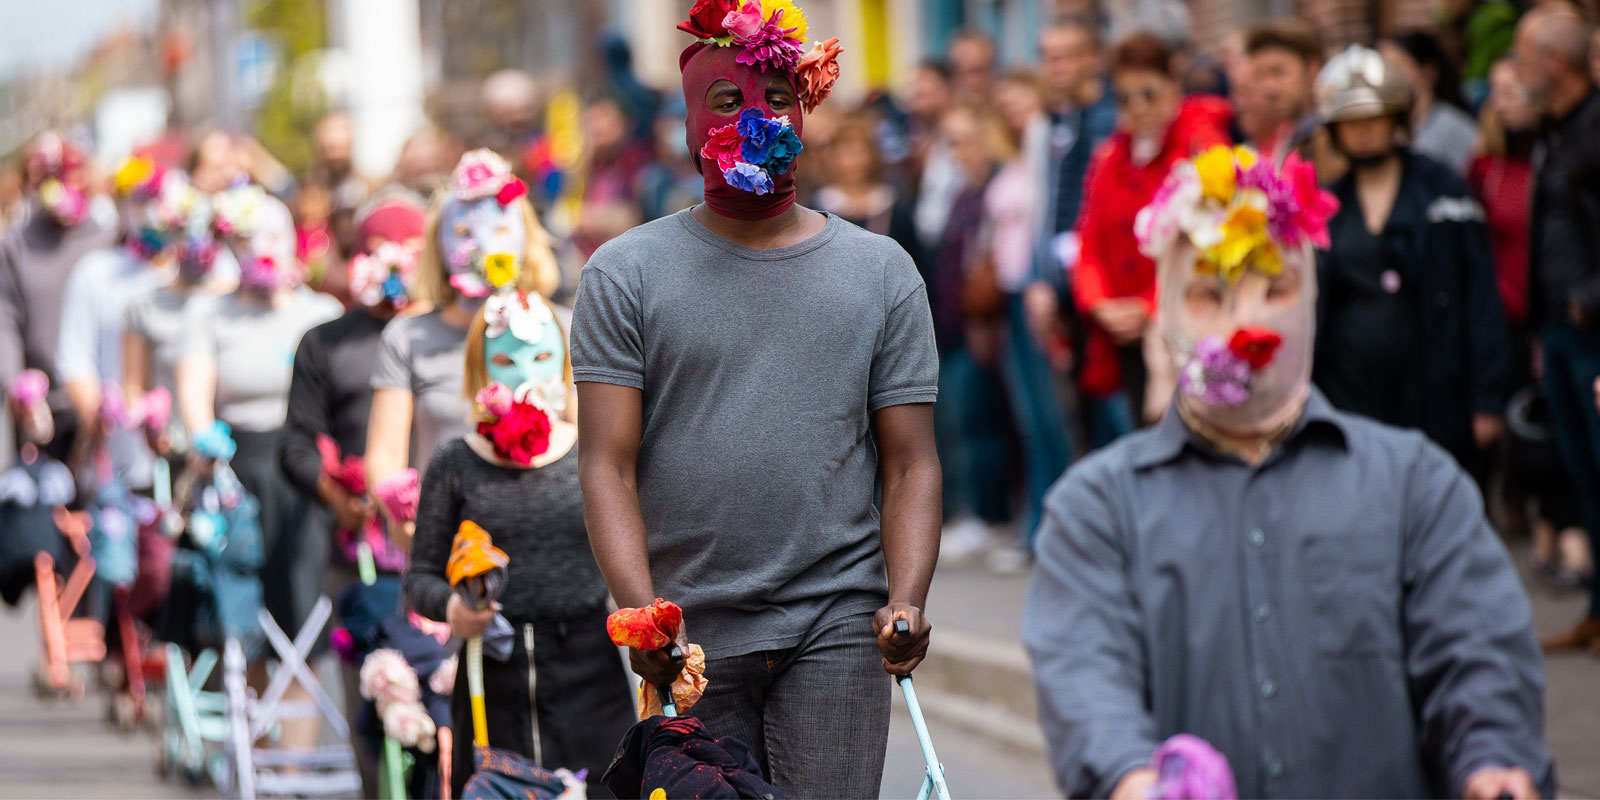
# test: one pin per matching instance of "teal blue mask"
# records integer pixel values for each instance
(525, 351)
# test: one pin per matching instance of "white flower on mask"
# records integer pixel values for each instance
(514, 311)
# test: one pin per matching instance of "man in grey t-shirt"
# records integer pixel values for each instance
(747, 371)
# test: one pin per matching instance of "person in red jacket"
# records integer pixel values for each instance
(1113, 284)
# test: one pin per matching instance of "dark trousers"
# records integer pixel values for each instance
(816, 716)
(1039, 412)
(1571, 365)
(576, 683)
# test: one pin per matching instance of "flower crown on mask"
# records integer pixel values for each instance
(483, 173)
(753, 150)
(1237, 211)
(384, 275)
(243, 212)
(172, 208)
(237, 212)
(769, 33)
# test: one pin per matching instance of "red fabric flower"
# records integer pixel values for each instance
(349, 472)
(513, 189)
(1255, 345)
(650, 628)
(723, 147)
(705, 19)
(520, 436)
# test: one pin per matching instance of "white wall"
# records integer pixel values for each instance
(383, 49)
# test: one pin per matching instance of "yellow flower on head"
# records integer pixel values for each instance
(1243, 232)
(1217, 173)
(499, 269)
(658, 793)
(1245, 156)
(792, 17)
(133, 172)
(1266, 259)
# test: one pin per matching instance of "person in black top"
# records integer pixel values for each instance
(1564, 259)
(556, 691)
(1411, 330)
(330, 395)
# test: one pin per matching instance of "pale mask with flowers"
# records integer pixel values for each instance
(160, 207)
(1233, 241)
(259, 230)
(523, 348)
(384, 276)
(61, 191)
(482, 233)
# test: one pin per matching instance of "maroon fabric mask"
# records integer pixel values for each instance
(703, 65)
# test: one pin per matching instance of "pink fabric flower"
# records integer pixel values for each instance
(154, 411)
(723, 147)
(409, 724)
(386, 677)
(770, 46)
(513, 189)
(744, 22)
(343, 646)
(1316, 205)
(495, 399)
(817, 72)
(399, 494)
(29, 387)
(480, 173)
(443, 679)
(470, 285)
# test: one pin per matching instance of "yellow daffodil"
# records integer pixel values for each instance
(1266, 259)
(792, 18)
(1216, 170)
(133, 172)
(499, 269)
(1245, 156)
(1243, 231)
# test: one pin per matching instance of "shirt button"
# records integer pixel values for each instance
(1257, 538)
(1275, 768)
(1268, 688)
(1263, 611)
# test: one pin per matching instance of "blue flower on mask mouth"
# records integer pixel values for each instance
(770, 144)
(748, 177)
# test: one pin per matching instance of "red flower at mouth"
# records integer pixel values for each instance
(520, 436)
(1255, 346)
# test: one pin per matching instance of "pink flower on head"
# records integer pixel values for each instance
(1315, 205)
(746, 21)
(480, 173)
(723, 147)
(817, 72)
(512, 190)
(770, 46)
(495, 399)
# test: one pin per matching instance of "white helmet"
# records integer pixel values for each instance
(1359, 84)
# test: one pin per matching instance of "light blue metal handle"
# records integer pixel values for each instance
(933, 785)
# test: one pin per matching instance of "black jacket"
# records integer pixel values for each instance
(1569, 151)
(1437, 237)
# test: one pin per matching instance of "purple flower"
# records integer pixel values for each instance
(1188, 768)
(1282, 204)
(748, 177)
(1215, 376)
(770, 45)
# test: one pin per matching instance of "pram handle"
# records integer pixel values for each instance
(669, 706)
(902, 627)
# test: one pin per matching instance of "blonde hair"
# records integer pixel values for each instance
(475, 372)
(539, 274)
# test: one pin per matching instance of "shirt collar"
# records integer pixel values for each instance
(1167, 440)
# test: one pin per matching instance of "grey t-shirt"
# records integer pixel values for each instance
(424, 355)
(253, 344)
(760, 370)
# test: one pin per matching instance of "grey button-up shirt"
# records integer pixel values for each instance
(1340, 621)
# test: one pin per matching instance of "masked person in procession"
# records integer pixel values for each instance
(1316, 594)
(748, 371)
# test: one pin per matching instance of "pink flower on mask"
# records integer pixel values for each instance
(495, 399)
(723, 147)
(461, 257)
(480, 173)
(259, 274)
(1315, 206)
(469, 284)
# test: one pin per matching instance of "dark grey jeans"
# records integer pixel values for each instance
(816, 715)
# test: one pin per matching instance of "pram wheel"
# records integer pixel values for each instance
(163, 759)
(124, 713)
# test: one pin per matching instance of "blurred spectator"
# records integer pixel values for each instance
(857, 188)
(1553, 61)
(937, 178)
(1594, 57)
(1252, 122)
(1114, 284)
(333, 141)
(639, 103)
(1015, 205)
(314, 246)
(36, 260)
(1285, 56)
(12, 197)
(510, 108)
(610, 170)
(972, 428)
(1486, 30)
(215, 165)
(1502, 176)
(425, 161)
(670, 182)
(1410, 327)
(1440, 127)
(972, 64)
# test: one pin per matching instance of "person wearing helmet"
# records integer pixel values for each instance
(1412, 329)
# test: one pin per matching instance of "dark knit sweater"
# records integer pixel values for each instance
(535, 515)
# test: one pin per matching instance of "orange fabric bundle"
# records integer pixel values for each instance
(650, 628)
(473, 554)
(686, 690)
